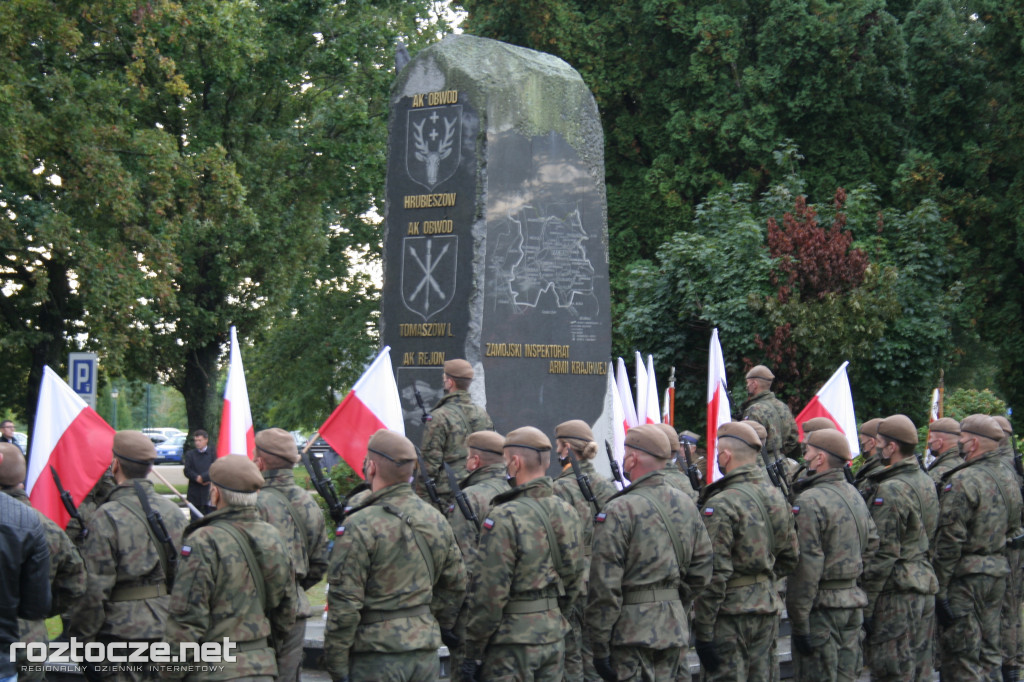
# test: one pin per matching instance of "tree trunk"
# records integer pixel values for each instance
(199, 387)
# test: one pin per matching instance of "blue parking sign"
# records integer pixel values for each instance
(82, 369)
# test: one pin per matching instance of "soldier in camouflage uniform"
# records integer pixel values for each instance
(652, 554)
(899, 580)
(452, 419)
(96, 497)
(837, 537)
(528, 575)
(750, 524)
(293, 512)
(126, 595)
(235, 581)
(395, 575)
(1009, 615)
(942, 441)
(763, 407)
(675, 474)
(67, 572)
(869, 457)
(485, 481)
(576, 435)
(980, 506)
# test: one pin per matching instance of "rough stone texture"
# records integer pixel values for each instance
(525, 261)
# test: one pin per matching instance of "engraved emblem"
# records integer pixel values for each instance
(424, 260)
(433, 147)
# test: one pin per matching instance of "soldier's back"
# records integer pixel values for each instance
(301, 523)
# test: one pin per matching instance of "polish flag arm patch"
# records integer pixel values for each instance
(185, 550)
(600, 518)
(709, 511)
(796, 510)
(879, 502)
(488, 524)
(339, 532)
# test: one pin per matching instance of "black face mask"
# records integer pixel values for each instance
(510, 478)
(880, 453)
(960, 449)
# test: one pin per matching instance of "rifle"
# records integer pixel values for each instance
(848, 472)
(691, 468)
(69, 505)
(584, 481)
(426, 416)
(769, 466)
(156, 524)
(324, 487)
(460, 497)
(920, 461)
(428, 481)
(616, 471)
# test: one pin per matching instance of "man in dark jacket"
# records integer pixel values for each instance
(197, 463)
(24, 573)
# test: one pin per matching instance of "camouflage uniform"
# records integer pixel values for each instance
(863, 480)
(639, 585)
(578, 654)
(67, 581)
(215, 594)
(395, 574)
(678, 479)
(452, 419)
(739, 611)
(837, 537)
(979, 505)
(946, 461)
(899, 579)
(480, 487)
(776, 417)
(126, 596)
(1009, 613)
(521, 587)
(97, 496)
(307, 548)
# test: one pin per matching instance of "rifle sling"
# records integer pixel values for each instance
(250, 559)
(673, 532)
(555, 550)
(299, 526)
(421, 542)
(142, 514)
(748, 490)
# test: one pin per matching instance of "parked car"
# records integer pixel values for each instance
(171, 450)
(160, 434)
(300, 440)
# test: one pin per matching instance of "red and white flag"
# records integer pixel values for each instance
(237, 436)
(653, 409)
(371, 405)
(719, 410)
(933, 413)
(72, 438)
(625, 396)
(618, 420)
(833, 401)
(641, 389)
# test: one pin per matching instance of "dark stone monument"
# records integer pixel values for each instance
(495, 246)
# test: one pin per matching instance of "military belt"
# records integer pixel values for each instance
(840, 584)
(521, 606)
(648, 596)
(744, 580)
(137, 592)
(251, 645)
(370, 617)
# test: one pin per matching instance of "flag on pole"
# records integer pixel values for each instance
(371, 405)
(719, 410)
(653, 410)
(72, 438)
(237, 436)
(641, 389)
(618, 420)
(833, 401)
(625, 396)
(933, 414)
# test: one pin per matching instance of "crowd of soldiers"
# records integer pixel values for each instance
(906, 567)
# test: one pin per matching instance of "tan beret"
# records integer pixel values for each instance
(690, 437)
(527, 437)
(946, 425)
(831, 441)
(236, 473)
(870, 427)
(673, 437)
(392, 446)
(486, 441)
(741, 431)
(458, 369)
(575, 429)
(1004, 424)
(982, 425)
(760, 372)
(650, 439)
(134, 446)
(279, 443)
(817, 424)
(12, 465)
(898, 427)
(762, 433)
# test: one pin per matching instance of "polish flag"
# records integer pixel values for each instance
(641, 389)
(834, 401)
(371, 405)
(237, 436)
(72, 438)
(625, 396)
(719, 410)
(653, 409)
(618, 420)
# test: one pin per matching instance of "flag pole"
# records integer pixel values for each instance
(167, 483)
(942, 389)
(672, 398)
